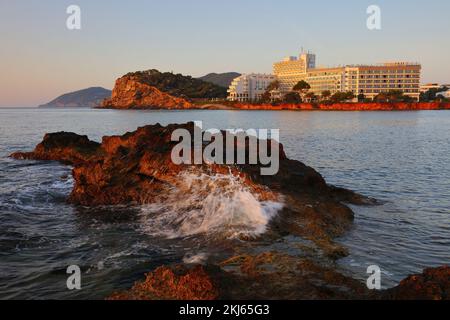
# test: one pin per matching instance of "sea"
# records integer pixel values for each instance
(401, 159)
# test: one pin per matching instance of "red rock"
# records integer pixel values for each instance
(123, 168)
(267, 276)
(274, 275)
(175, 283)
(65, 147)
(432, 284)
(130, 93)
(137, 168)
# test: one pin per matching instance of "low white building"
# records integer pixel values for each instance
(249, 87)
(445, 94)
(429, 86)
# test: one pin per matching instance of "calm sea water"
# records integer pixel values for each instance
(401, 158)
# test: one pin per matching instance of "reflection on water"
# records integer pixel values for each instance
(398, 157)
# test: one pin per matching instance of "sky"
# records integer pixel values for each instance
(40, 58)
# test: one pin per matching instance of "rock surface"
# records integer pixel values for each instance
(136, 168)
(432, 284)
(152, 89)
(267, 276)
(131, 93)
(176, 283)
(272, 275)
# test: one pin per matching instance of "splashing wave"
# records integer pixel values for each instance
(218, 205)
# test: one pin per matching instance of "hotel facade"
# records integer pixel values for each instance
(249, 87)
(293, 69)
(367, 80)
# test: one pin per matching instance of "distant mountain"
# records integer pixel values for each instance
(90, 97)
(220, 79)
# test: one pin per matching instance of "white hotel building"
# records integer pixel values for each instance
(249, 87)
(368, 80)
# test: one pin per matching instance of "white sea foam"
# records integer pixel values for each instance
(198, 258)
(218, 205)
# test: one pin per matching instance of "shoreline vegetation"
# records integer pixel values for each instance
(348, 106)
(312, 210)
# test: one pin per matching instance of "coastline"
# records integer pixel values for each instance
(418, 106)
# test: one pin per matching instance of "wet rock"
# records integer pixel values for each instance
(432, 284)
(269, 275)
(176, 283)
(274, 275)
(136, 168)
(66, 147)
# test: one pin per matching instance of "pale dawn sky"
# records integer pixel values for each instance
(41, 58)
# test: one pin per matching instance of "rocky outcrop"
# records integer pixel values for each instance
(273, 275)
(432, 284)
(137, 168)
(152, 89)
(131, 93)
(69, 148)
(265, 276)
(177, 283)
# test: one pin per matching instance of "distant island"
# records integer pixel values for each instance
(90, 97)
(220, 79)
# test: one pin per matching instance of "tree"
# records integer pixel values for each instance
(432, 94)
(326, 94)
(274, 85)
(392, 96)
(349, 95)
(362, 98)
(342, 96)
(310, 96)
(302, 86)
(267, 95)
(292, 98)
